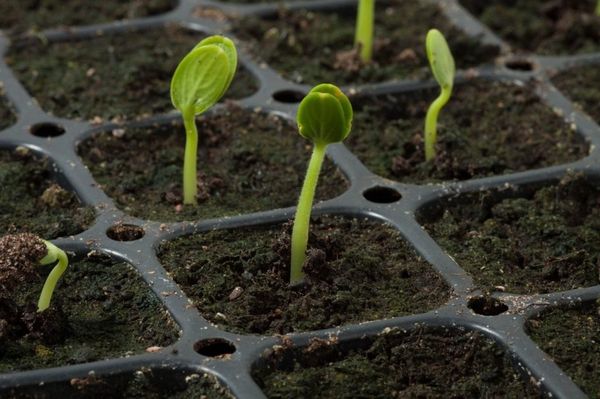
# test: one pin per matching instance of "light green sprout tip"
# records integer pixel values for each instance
(324, 117)
(57, 255)
(442, 66)
(200, 80)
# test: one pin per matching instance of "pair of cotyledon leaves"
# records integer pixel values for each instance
(204, 75)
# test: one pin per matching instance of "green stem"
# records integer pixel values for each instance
(54, 254)
(190, 179)
(302, 218)
(598, 8)
(431, 122)
(364, 29)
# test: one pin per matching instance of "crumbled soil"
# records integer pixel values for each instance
(7, 114)
(537, 242)
(106, 310)
(422, 363)
(314, 47)
(110, 77)
(575, 84)
(143, 384)
(31, 201)
(357, 270)
(487, 128)
(570, 336)
(542, 26)
(247, 161)
(20, 255)
(34, 15)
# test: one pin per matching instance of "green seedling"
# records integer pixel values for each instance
(598, 8)
(324, 117)
(442, 66)
(200, 80)
(54, 255)
(363, 37)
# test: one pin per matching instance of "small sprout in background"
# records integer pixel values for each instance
(363, 37)
(200, 80)
(324, 117)
(442, 66)
(598, 8)
(21, 254)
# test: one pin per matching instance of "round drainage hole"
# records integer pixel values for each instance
(125, 232)
(486, 305)
(214, 347)
(520, 65)
(288, 96)
(382, 195)
(46, 129)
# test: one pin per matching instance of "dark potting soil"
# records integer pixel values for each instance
(575, 84)
(422, 363)
(106, 309)
(7, 115)
(18, 16)
(487, 128)
(30, 201)
(357, 270)
(570, 336)
(314, 47)
(540, 242)
(142, 384)
(247, 161)
(542, 26)
(110, 77)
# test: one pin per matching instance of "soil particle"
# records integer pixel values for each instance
(33, 15)
(487, 128)
(20, 255)
(110, 77)
(314, 47)
(570, 336)
(540, 241)
(542, 26)
(422, 363)
(7, 114)
(247, 161)
(32, 202)
(354, 275)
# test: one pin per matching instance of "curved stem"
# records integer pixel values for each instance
(431, 122)
(54, 254)
(363, 36)
(190, 184)
(302, 218)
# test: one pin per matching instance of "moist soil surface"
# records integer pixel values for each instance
(30, 201)
(575, 84)
(570, 336)
(540, 242)
(542, 26)
(357, 270)
(7, 115)
(314, 47)
(142, 384)
(18, 16)
(422, 363)
(110, 77)
(247, 161)
(104, 310)
(487, 128)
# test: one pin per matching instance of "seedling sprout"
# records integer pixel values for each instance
(363, 37)
(324, 117)
(442, 66)
(57, 255)
(200, 80)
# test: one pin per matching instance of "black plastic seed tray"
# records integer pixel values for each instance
(369, 195)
